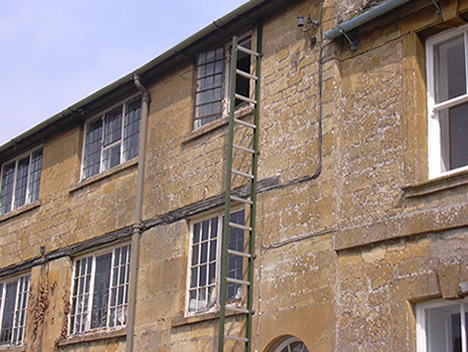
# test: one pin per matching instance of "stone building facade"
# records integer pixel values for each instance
(362, 205)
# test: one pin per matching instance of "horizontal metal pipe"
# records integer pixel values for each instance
(364, 18)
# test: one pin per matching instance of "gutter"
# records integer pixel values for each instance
(211, 28)
(369, 15)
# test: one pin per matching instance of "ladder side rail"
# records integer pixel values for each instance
(253, 192)
(227, 205)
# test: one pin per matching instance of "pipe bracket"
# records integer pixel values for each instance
(352, 42)
(438, 11)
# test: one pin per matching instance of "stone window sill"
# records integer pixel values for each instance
(91, 337)
(438, 184)
(201, 318)
(103, 175)
(19, 211)
(21, 348)
(240, 113)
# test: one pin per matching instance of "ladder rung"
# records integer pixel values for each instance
(248, 100)
(245, 74)
(237, 309)
(244, 174)
(245, 149)
(240, 227)
(237, 281)
(247, 51)
(235, 338)
(247, 124)
(239, 254)
(242, 200)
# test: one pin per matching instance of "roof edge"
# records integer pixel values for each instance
(210, 28)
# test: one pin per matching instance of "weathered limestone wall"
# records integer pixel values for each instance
(67, 215)
(348, 241)
(380, 284)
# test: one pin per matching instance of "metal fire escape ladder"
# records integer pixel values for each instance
(241, 334)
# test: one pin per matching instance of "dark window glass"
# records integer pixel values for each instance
(450, 69)
(132, 128)
(243, 64)
(101, 291)
(8, 313)
(8, 179)
(21, 182)
(35, 176)
(92, 157)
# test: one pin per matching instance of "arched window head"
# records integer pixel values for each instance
(289, 344)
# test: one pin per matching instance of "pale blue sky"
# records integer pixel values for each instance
(56, 52)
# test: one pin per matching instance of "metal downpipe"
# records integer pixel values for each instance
(137, 228)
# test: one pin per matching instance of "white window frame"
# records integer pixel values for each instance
(27, 196)
(421, 323)
(89, 301)
(101, 116)
(220, 215)
(434, 109)
(226, 80)
(21, 305)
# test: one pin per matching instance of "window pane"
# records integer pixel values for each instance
(443, 328)
(209, 86)
(235, 263)
(35, 176)
(454, 137)
(119, 288)
(101, 291)
(111, 157)
(8, 179)
(80, 297)
(243, 64)
(131, 128)
(450, 72)
(203, 266)
(20, 311)
(92, 157)
(205, 230)
(113, 126)
(459, 136)
(8, 313)
(21, 182)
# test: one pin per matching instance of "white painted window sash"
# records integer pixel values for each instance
(226, 80)
(15, 176)
(21, 296)
(220, 238)
(422, 327)
(80, 302)
(2, 303)
(434, 109)
(102, 116)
